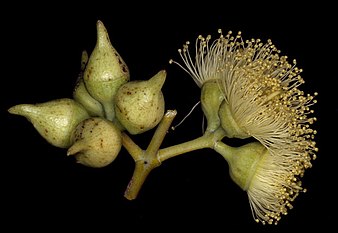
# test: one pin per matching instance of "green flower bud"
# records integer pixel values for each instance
(211, 99)
(97, 142)
(228, 123)
(105, 72)
(139, 105)
(54, 120)
(84, 61)
(81, 95)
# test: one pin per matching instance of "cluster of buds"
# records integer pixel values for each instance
(105, 102)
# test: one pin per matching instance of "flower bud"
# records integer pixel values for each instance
(97, 142)
(228, 123)
(81, 95)
(105, 72)
(139, 105)
(211, 99)
(54, 120)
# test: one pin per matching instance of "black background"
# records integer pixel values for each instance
(44, 189)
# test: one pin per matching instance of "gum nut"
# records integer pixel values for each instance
(97, 142)
(139, 105)
(55, 120)
(211, 99)
(105, 72)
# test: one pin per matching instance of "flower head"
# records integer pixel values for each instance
(274, 186)
(262, 100)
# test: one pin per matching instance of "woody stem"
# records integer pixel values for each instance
(147, 160)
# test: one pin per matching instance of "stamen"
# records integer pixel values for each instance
(192, 109)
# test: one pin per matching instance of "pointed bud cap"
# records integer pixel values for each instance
(105, 72)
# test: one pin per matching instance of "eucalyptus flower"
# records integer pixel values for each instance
(261, 99)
